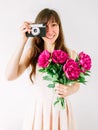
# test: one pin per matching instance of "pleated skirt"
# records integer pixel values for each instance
(43, 115)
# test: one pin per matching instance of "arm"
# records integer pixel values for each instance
(18, 63)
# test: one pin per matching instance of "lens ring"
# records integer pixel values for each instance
(35, 31)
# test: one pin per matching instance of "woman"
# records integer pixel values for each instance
(44, 115)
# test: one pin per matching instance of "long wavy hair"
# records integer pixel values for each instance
(38, 43)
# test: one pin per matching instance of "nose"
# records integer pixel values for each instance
(49, 29)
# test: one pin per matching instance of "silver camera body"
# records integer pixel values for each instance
(37, 30)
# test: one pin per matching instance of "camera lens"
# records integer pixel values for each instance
(35, 31)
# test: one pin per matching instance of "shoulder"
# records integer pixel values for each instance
(72, 53)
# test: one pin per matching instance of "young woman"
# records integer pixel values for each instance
(44, 116)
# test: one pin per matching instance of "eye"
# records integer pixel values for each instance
(54, 24)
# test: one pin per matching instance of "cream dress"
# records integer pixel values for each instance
(42, 114)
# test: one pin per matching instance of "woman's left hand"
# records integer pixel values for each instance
(66, 90)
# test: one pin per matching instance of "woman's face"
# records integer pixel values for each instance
(52, 32)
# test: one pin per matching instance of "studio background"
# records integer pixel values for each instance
(79, 20)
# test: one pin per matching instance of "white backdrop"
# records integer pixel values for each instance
(79, 19)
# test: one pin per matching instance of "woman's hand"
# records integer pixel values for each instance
(25, 28)
(66, 90)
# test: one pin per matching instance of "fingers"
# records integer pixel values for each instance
(61, 90)
(25, 27)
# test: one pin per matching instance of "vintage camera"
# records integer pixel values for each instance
(37, 30)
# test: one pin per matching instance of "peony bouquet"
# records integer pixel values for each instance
(60, 68)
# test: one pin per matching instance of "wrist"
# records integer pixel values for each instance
(76, 87)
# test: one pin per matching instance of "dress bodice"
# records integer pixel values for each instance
(40, 86)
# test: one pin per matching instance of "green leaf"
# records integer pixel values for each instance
(55, 76)
(55, 80)
(77, 59)
(61, 80)
(82, 75)
(57, 101)
(86, 74)
(47, 78)
(61, 101)
(51, 85)
(49, 73)
(42, 70)
(81, 79)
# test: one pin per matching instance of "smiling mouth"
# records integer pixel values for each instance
(51, 37)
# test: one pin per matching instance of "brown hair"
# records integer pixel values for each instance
(37, 42)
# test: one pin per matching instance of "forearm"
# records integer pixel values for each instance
(18, 63)
(13, 64)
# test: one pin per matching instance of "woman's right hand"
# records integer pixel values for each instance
(25, 28)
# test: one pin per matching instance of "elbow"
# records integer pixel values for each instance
(10, 77)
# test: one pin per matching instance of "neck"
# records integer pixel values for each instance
(49, 47)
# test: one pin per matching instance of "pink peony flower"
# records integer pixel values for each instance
(59, 56)
(60, 68)
(84, 61)
(43, 59)
(71, 69)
